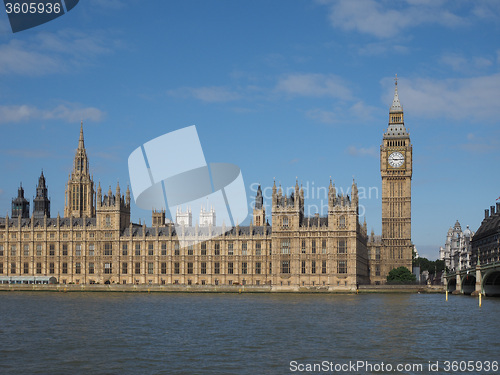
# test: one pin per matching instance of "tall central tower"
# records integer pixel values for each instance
(80, 197)
(396, 171)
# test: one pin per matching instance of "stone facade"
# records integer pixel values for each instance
(457, 250)
(486, 241)
(95, 241)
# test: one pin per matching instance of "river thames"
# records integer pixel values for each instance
(131, 333)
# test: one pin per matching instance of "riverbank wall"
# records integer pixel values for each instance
(218, 289)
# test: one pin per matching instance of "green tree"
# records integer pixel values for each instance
(439, 265)
(429, 265)
(400, 275)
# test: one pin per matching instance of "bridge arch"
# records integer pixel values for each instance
(451, 286)
(491, 283)
(468, 284)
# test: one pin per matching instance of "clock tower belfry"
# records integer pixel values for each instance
(396, 171)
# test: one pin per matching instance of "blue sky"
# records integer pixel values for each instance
(283, 89)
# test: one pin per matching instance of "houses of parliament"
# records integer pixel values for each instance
(96, 242)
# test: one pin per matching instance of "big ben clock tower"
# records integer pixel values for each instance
(396, 171)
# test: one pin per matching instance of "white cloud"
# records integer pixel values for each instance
(489, 9)
(458, 98)
(306, 84)
(17, 58)
(454, 61)
(65, 112)
(315, 85)
(321, 115)
(378, 48)
(372, 17)
(342, 113)
(48, 53)
(459, 63)
(28, 153)
(112, 156)
(361, 151)
(480, 145)
(210, 94)
(481, 62)
(362, 111)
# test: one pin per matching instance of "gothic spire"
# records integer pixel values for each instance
(396, 105)
(81, 143)
(396, 128)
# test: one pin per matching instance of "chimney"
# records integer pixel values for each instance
(498, 207)
(492, 209)
(486, 213)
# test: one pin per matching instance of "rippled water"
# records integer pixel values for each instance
(117, 333)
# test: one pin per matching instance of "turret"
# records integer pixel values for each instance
(20, 206)
(354, 193)
(112, 209)
(259, 212)
(99, 194)
(127, 197)
(41, 203)
(158, 218)
(332, 192)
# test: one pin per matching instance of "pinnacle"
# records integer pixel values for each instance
(396, 105)
(81, 143)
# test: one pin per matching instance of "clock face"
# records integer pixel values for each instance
(396, 159)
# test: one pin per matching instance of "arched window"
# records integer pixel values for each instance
(285, 222)
(342, 222)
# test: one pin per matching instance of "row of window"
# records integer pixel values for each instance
(52, 250)
(341, 246)
(377, 253)
(285, 267)
(108, 248)
(108, 251)
(396, 143)
(150, 246)
(396, 253)
(52, 236)
(108, 268)
(285, 222)
(64, 268)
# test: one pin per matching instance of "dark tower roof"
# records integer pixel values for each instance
(259, 200)
(41, 181)
(41, 203)
(20, 194)
(20, 206)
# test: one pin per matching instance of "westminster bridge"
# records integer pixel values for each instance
(484, 279)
